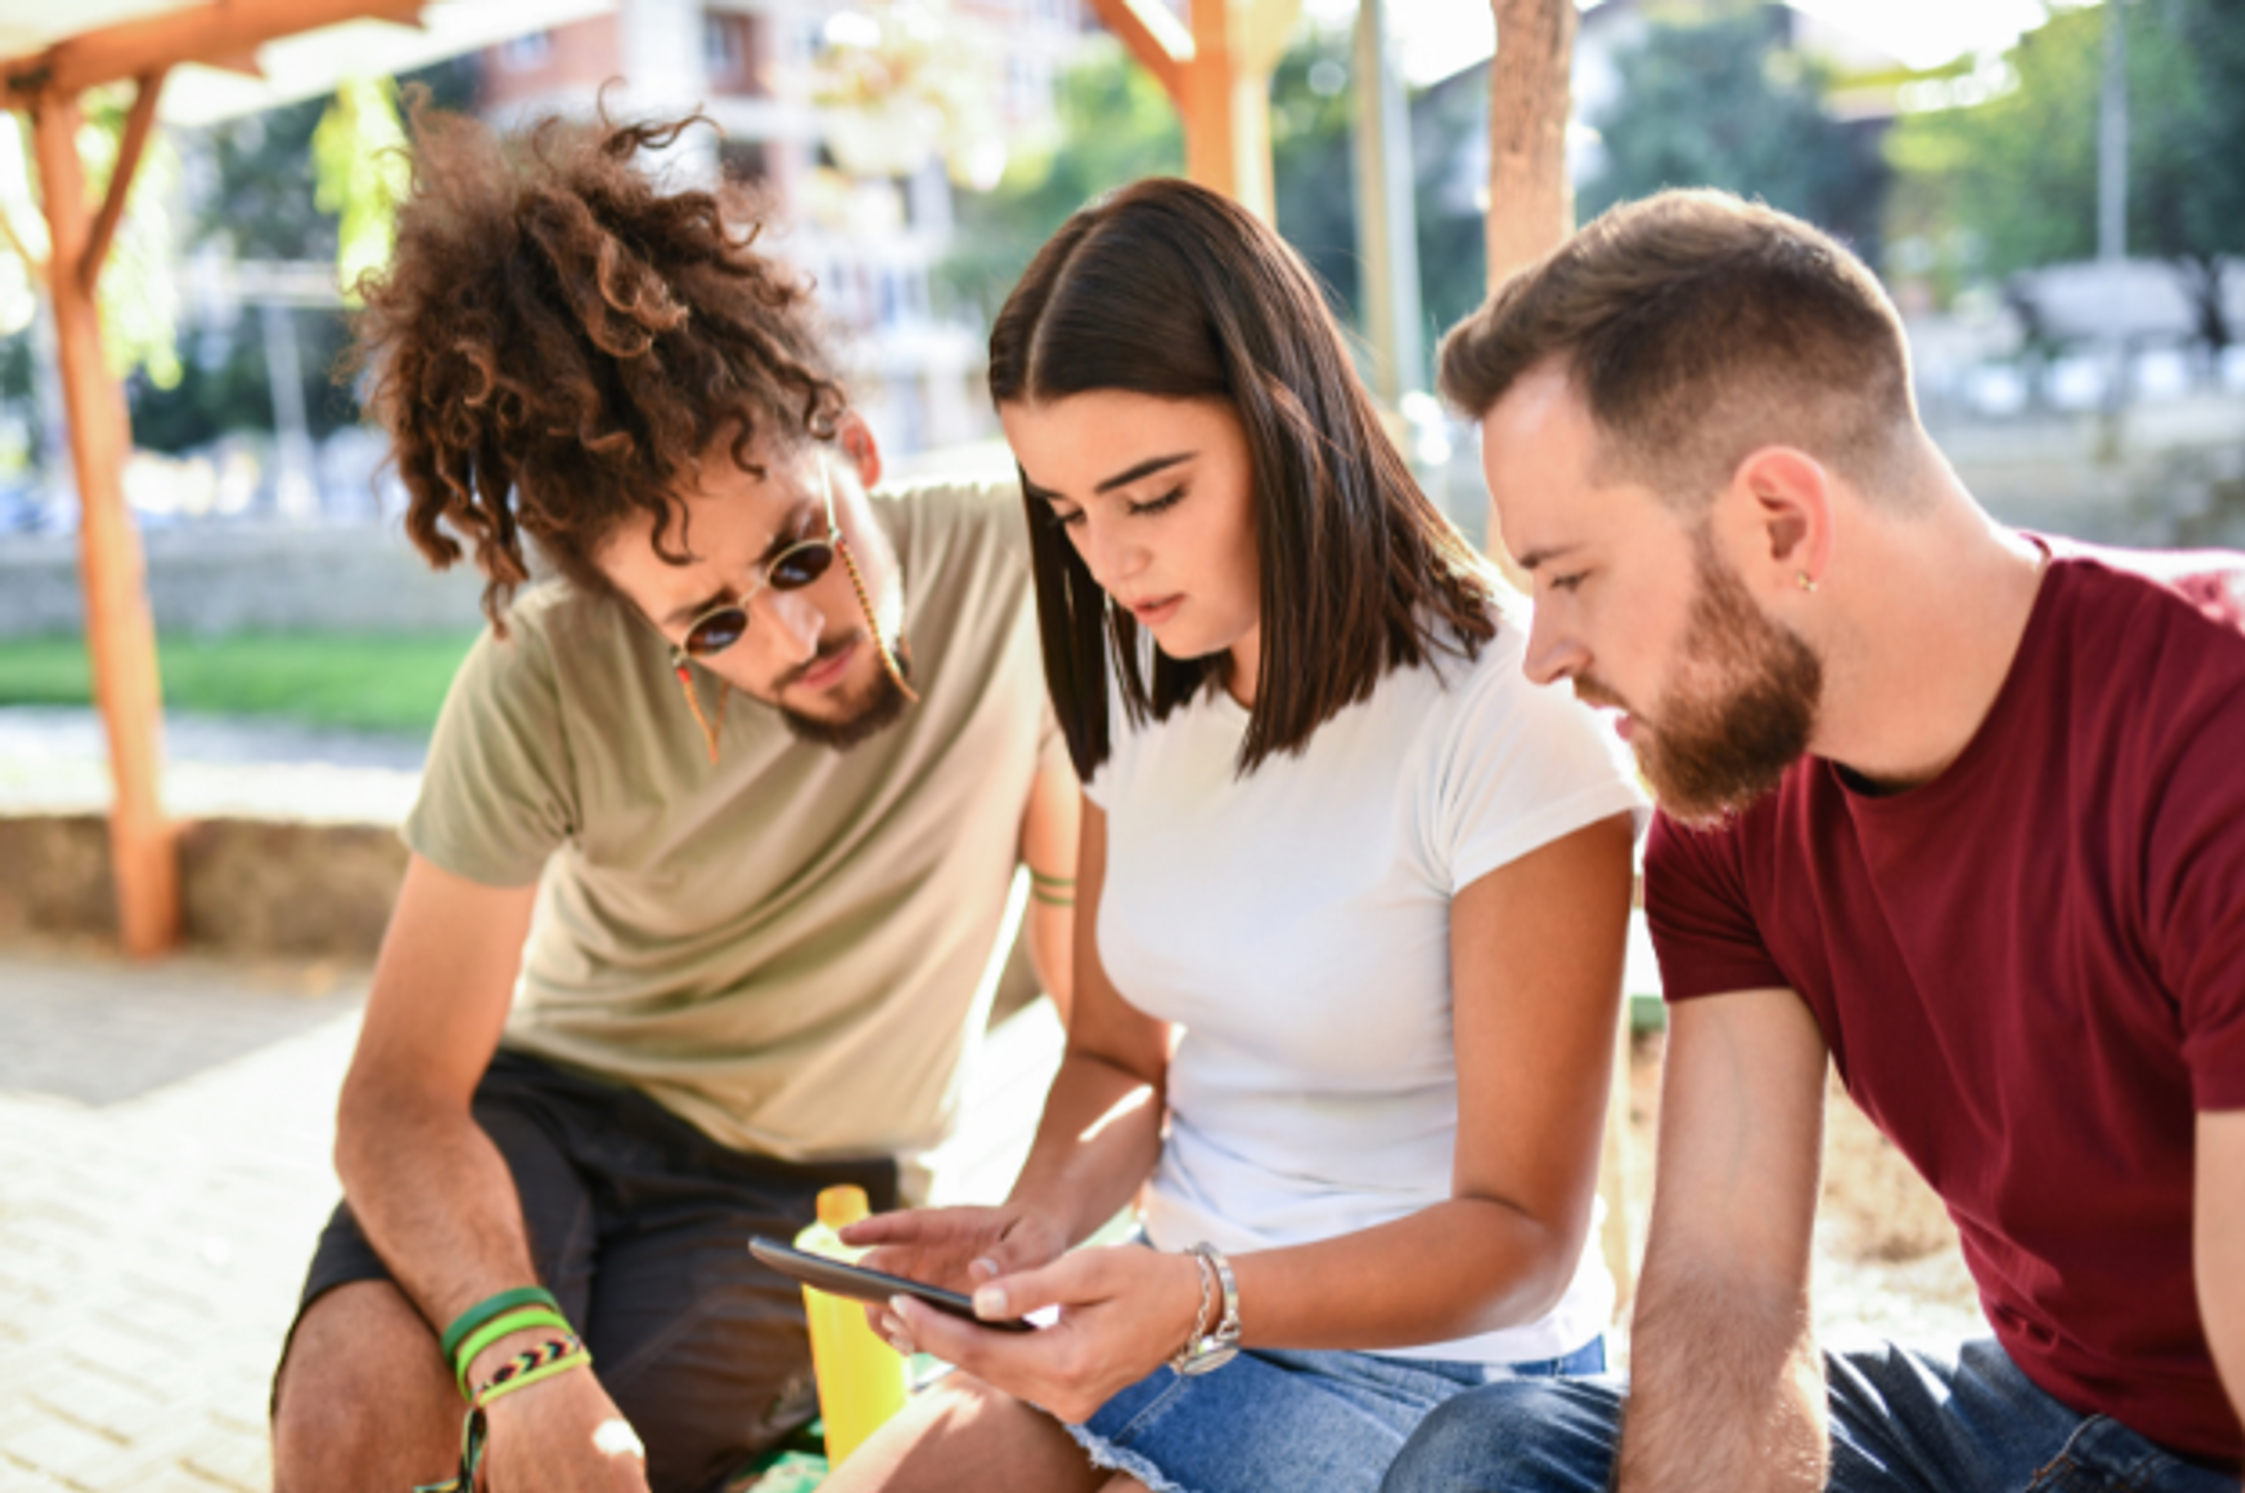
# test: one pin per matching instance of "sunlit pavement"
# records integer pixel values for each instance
(164, 1169)
(164, 1138)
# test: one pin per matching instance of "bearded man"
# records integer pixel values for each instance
(1955, 808)
(730, 811)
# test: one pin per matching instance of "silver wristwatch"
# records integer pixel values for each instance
(1206, 1352)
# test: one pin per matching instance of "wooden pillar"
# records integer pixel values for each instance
(1219, 76)
(1531, 200)
(1531, 212)
(119, 633)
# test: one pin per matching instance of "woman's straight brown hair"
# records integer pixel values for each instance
(1171, 290)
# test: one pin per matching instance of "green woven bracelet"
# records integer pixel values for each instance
(484, 1336)
(483, 1311)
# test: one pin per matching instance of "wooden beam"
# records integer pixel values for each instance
(1153, 36)
(220, 33)
(1531, 201)
(1210, 102)
(244, 63)
(143, 845)
(129, 150)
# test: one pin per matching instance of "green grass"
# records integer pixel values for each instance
(361, 681)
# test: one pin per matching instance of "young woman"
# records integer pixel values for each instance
(1350, 911)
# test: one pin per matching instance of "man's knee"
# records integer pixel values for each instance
(360, 1394)
(1517, 1436)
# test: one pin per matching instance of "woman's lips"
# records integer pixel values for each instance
(1155, 613)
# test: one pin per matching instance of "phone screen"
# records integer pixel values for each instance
(861, 1284)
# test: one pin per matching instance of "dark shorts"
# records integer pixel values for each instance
(639, 1224)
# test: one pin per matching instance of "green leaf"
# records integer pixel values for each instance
(361, 170)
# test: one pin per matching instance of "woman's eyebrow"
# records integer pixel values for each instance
(1146, 468)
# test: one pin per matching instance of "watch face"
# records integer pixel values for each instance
(1211, 1361)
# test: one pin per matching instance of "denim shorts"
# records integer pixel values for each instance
(1902, 1421)
(1276, 1420)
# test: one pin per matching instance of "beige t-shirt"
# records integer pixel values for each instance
(790, 949)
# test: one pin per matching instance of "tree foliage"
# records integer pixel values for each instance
(359, 160)
(2018, 173)
(310, 181)
(1115, 126)
(139, 302)
(1728, 102)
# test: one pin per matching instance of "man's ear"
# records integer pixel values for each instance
(1779, 510)
(856, 439)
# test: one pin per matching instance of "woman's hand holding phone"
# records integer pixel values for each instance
(1124, 1311)
(956, 1248)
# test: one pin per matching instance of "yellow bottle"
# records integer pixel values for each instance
(862, 1381)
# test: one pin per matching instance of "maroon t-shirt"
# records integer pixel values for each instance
(2031, 970)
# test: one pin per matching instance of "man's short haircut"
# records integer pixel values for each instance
(559, 341)
(1697, 328)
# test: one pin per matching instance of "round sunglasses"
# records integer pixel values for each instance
(792, 569)
(721, 626)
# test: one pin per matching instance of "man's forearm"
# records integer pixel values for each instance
(1726, 1393)
(434, 1197)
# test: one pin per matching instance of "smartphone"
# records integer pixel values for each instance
(861, 1284)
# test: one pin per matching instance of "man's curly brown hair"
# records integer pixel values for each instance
(559, 340)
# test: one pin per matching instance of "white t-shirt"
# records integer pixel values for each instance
(1296, 924)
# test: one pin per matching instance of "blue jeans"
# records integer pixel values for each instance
(1274, 1421)
(1902, 1422)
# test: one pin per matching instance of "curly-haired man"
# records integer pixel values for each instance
(729, 810)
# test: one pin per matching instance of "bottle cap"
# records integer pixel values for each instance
(839, 1207)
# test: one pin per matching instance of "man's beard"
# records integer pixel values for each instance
(874, 711)
(1741, 710)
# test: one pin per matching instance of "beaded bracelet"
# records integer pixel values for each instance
(548, 1359)
(555, 1356)
(511, 1322)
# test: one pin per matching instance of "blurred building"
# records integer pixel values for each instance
(871, 240)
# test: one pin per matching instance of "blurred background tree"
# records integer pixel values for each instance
(1115, 125)
(307, 183)
(2010, 184)
(1727, 102)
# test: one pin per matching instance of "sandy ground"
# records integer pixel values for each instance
(1887, 1263)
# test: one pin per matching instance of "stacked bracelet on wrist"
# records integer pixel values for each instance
(1211, 1347)
(493, 1318)
(478, 1328)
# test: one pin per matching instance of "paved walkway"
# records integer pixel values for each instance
(164, 1170)
(164, 1140)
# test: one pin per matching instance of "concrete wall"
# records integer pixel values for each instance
(223, 580)
(251, 887)
(2163, 475)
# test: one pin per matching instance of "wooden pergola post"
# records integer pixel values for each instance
(1531, 199)
(1219, 77)
(1531, 212)
(120, 635)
